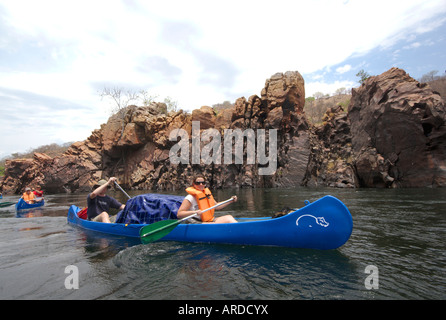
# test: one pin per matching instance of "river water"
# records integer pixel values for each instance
(397, 251)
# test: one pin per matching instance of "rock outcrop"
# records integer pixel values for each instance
(398, 127)
(331, 161)
(134, 145)
(21, 173)
(393, 135)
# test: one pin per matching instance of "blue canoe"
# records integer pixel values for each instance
(22, 204)
(323, 224)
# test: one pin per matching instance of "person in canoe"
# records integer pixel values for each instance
(29, 196)
(99, 202)
(200, 198)
(38, 192)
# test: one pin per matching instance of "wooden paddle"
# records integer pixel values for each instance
(157, 230)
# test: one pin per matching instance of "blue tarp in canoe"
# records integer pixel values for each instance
(150, 208)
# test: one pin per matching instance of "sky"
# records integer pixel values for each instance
(56, 57)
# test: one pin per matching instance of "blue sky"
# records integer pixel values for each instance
(56, 56)
(417, 55)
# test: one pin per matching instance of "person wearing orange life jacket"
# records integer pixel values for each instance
(28, 196)
(200, 198)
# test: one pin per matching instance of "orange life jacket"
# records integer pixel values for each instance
(204, 200)
(29, 198)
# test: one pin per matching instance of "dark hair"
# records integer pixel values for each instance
(194, 181)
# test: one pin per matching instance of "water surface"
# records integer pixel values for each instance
(400, 232)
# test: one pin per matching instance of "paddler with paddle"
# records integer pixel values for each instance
(199, 198)
(200, 202)
(99, 202)
(30, 197)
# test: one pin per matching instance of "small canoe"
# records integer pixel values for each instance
(22, 204)
(323, 224)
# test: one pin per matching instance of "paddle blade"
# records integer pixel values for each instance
(6, 204)
(157, 230)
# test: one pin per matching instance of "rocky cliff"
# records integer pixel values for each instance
(393, 135)
(399, 131)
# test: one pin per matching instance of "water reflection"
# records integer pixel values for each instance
(201, 271)
(100, 246)
(30, 213)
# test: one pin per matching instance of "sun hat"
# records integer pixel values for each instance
(99, 183)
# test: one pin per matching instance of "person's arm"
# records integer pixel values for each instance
(115, 204)
(184, 210)
(99, 190)
(234, 199)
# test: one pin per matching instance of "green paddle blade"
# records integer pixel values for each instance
(157, 230)
(6, 204)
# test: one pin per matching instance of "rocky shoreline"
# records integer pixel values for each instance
(393, 135)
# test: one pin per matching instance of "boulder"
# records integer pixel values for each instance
(285, 90)
(399, 132)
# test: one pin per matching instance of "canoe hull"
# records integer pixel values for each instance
(22, 205)
(324, 224)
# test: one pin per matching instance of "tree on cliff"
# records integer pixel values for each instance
(430, 76)
(122, 98)
(363, 76)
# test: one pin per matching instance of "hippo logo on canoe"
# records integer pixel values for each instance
(319, 220)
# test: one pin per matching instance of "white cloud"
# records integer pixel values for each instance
(413, 45)
(197, 52)
(327, 88)
(344, 69)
